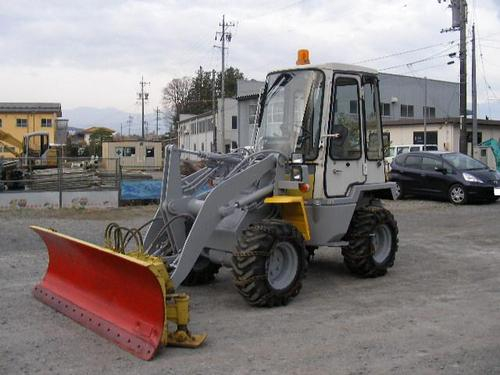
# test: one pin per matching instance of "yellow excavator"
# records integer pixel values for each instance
(35, 149)
(35, 152)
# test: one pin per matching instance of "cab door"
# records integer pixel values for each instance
(373, 130)
(344, 164)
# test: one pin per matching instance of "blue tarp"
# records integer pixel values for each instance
(145, 190)
(140, 190)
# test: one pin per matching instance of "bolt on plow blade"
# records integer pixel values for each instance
(115, 295)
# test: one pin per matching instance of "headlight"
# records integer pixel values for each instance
(296, 173)
(470, 178)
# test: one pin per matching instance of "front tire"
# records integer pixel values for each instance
(269, 263)
(457, 194)
(373, 242)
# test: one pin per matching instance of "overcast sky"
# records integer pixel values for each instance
(93, 52)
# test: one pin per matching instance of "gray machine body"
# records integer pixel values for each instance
(203, 214)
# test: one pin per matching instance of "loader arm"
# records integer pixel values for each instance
(206, 210)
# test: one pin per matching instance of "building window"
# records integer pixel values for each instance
(46, 123)
(386, 109)
(429, 112)
(234, 122)
(0, 122)
(252, 114)
(194, 146)
(202, 146)
(353, 107)
(479, 137)
(432, 138)
(125, 151)
(407, 110)
(22, 123)
(234, 145)
(227, 148)
(150, 152)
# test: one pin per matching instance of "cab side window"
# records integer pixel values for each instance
(346, 145)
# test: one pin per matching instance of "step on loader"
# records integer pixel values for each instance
(313, 177)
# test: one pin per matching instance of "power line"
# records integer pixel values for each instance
(403, 52)
(437, 55)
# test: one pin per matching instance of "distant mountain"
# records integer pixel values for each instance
(85, 117)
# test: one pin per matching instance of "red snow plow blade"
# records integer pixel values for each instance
(117, 296)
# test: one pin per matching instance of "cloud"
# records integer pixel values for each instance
(94, 52)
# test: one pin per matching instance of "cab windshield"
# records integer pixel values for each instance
(291, 115)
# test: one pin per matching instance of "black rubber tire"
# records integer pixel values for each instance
(358, 256)
(250, 262)
(464, 201)
(202, 273)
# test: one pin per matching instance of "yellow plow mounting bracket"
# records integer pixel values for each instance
(292, 210)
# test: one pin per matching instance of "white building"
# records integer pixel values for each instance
(196, 132)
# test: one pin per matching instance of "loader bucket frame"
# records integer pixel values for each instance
(117, 296)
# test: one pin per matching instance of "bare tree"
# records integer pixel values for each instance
(175, 97)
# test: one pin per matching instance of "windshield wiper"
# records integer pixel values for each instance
(285, 77)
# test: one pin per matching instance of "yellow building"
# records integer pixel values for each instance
(19, 119)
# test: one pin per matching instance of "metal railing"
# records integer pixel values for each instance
(59, 174)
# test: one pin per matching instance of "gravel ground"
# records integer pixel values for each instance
(436, 311)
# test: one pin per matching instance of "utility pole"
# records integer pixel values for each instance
(463, 76)
(214, 111)
(121, 130)
(425, 113)
(474, 93)
(143, 96)
(157, 119)
(459, 22)
(223, 36)
(129, 123)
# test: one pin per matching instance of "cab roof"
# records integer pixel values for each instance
(333, 67)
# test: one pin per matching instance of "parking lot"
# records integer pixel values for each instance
(436, 311)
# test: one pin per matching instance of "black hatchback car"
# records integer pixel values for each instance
(449, 175)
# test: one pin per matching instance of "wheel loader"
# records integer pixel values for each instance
(313, 177)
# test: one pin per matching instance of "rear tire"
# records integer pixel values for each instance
(203, 272)
(269, 263)
(373, 242)
(457, 194)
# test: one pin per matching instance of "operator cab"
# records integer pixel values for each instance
(328, 115)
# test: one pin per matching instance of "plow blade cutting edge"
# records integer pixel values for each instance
(120, 297)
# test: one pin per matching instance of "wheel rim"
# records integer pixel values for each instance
(457, 194)
(398, 190)
(282, 265)
(382, 243)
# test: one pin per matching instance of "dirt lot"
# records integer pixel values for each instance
(436, 311)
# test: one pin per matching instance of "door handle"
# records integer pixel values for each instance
(335, 171)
